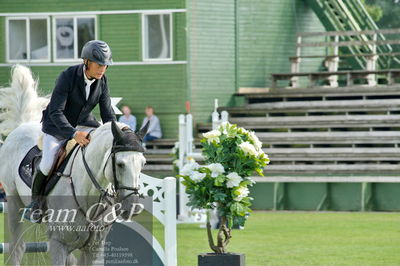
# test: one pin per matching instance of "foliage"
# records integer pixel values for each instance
(374, 11)
(232, 155)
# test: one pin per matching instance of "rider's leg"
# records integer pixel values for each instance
(51, 146)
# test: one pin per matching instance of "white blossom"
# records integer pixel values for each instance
(189, 168)
(243, 192)
(256, 141)
(212, 135)
(216, 169)
(197, 176)
(233, 180)
(248, 148)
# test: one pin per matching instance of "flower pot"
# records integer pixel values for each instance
(216, 259)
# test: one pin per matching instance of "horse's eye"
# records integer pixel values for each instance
(121, 165)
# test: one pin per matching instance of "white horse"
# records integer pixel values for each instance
(124, 169)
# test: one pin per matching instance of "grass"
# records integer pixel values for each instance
(304, 238)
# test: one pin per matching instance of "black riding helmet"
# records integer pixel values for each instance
(97, 51)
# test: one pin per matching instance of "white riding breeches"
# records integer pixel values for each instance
(51, 146)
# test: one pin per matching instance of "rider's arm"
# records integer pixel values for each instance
(57, 106)
(106, 112)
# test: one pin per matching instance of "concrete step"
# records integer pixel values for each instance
(317, 121)
(332, 169)
(342, 106)
(333, 154)
(350, 137)
(381, 91)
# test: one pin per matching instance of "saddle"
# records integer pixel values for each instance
(33, 157)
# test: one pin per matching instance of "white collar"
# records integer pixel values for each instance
(87, 81)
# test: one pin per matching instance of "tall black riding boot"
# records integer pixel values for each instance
(39, 180)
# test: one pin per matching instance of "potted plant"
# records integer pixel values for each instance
(232, 155)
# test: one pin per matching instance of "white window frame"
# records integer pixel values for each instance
(28, 40)
(170, 37)
(75, 21)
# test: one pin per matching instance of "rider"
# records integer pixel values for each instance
(78, 90)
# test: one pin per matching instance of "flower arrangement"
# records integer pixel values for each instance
(232, 154)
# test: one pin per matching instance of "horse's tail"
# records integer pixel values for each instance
(20, 103)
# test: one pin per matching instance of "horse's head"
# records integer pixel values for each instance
(127, 163)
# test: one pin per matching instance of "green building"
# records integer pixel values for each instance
(165, 52)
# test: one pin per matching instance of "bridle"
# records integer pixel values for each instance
(104, 193)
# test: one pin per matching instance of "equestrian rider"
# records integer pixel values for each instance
(78, 90)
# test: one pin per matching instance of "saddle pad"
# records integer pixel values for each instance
(26, 167)
(31, 161)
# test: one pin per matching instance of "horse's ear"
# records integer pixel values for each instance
(143, 131)
(116, 131)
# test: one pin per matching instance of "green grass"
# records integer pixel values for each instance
(303, 238)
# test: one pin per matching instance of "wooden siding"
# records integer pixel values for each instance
(93, 5)
(211, 57)
(162, 86)
(267, 37)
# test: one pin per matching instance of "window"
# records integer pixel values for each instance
(70, 34)
(156, 36)
(28, 39)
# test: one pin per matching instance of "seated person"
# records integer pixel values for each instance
(154, 131)
(127, 118)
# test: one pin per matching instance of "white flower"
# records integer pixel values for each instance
(175, 162)
(212, 135)
(197, 176)
(189, 168)
(255, 140)
(243, 192)
(216, 169)
(248, 148)
(233, 180)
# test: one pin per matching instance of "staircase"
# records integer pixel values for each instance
(159, 158)
(349, 131)
(350, 15)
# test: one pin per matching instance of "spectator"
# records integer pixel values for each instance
(154, 131)
(127, 118)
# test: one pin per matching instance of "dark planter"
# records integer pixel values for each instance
(227, 259)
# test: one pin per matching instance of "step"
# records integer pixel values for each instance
(332, 168)
(153, 160)
(317, 106)
(317, 121)
(351, 137)
(157, 152)
(379, 90)
(158, 167)
(161, 143)
(333, 154)
(328, 179)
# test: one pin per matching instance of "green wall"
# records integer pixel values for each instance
(211, 55)
(267, 37)
(325, 196)
(80, 5)
(164, 86)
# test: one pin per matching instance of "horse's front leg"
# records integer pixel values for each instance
(58, 253)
